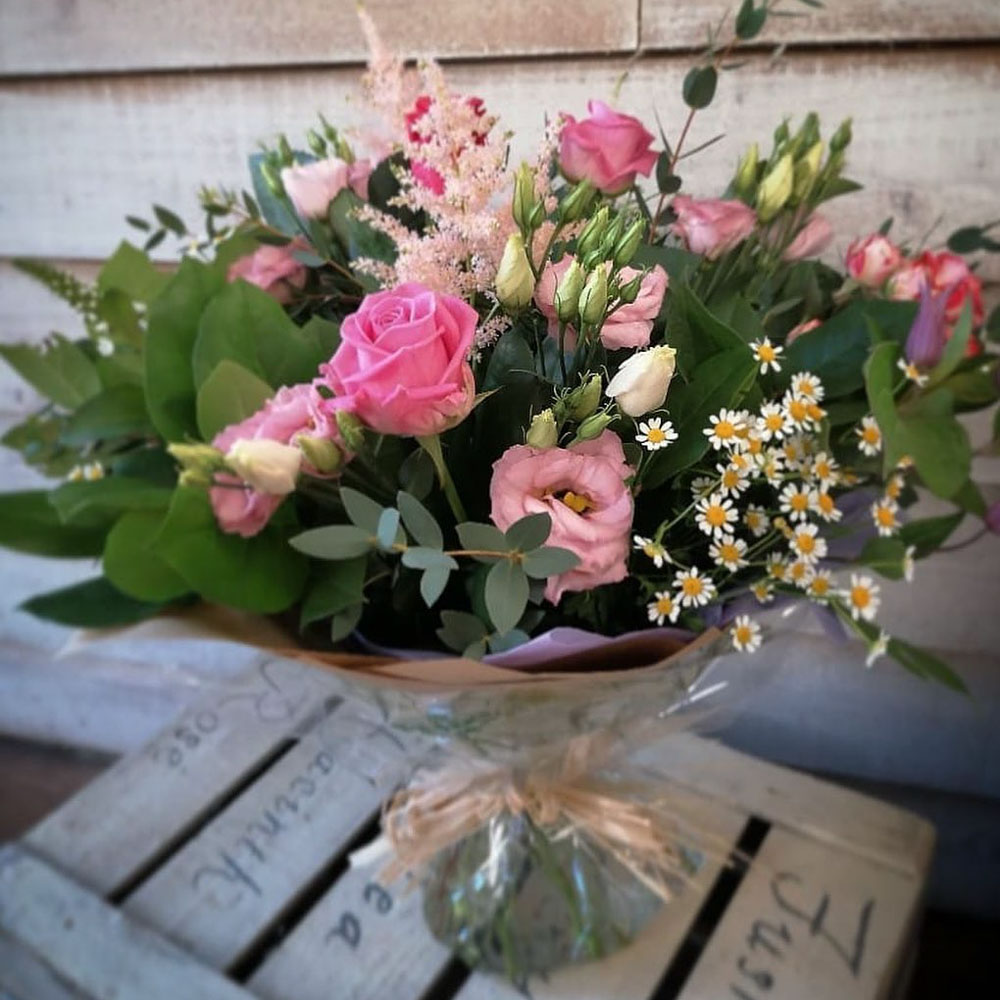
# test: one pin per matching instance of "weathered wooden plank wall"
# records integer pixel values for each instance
(108, 105)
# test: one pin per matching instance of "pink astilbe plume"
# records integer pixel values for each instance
(457, 175)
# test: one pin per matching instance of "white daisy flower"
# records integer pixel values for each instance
(662, 607)
(729, 551)
(824, 469)
(763, 590)
(799, 411)
(909, 563)
(777, 568)
(656, 433)
(879, 647)
(714, 514)
(808, 386)
(821, 585)
(905, 462)
(869, 436)
(105, 347)
(884, 516)
(740, 460)
(652, 550)
(807, 544)
(797, 501)
(75, 475)
(826, 507)
(894, 487)
(912, 372)
(772, 467)
(796, 451)
(93, 471)
(701, 486)
(800, 573)
(772, 422)
(724, 428)
(767, 354)
(863, 597)
(695, 590)
(745, 634)
(733, 481)
(756, 519)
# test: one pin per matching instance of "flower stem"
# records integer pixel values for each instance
(432, 445)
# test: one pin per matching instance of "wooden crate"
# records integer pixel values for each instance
(212, 866)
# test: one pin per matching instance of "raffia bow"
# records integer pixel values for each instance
(633, 821)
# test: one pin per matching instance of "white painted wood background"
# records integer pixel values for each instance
(109, 105)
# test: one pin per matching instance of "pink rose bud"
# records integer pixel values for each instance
(312, 186)
(402, 366)
(803, 328)
(583, 489)
(712, 226)
(813, 239)
(608, 149)
(908, 282)
(871, 261)
(275, 270)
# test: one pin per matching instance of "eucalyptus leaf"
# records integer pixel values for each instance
(699, 86)
(419, 521)
(334, 588)
(506, 594)
(335, 541)
(549, 561)
(388, 525)
(459, 629)
(529, 532)
(361, 509)
(419, 557)
(345, 622)
(482, 538)
(432, 584)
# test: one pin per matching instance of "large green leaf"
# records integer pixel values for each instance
(92, 604)
(116, 412)
(335, 587)
(110, 496)
(928, 534)
(923, 664)
(721, 380)
(129, 270)
(358, 238)
(59, 370)
(131, 563)
(262, 574)
(174, 317)
(230, 394)
(245, 325)
(708, 334)
(28, 523)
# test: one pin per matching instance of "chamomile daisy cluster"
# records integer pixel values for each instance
(759, 511)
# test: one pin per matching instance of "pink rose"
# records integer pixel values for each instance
(628, 326)
(402, 365)
(813, 238)
(312, 186)
(608, 149)
(948, 272)
(272, 269)
(293, 410)
(872, 260)
(711, 226)
(906, 284)
(582, 488)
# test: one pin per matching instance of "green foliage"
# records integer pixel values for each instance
(108, 497)
(699, 86)
(76, 294)
(506, 594)
(334, 588)
(133, 565)
(60, 370)
(131, 271)
(529, 532)
(335, 541)
(230, 394)
(276, 212)
(885, 556)
(39, 440)
(113, 413)
(928, 534)
(464, 633)
(551, 560)
(28, 523)
(750, 20)
(262, 574)
(92, 604)
(925, 665)
(419, 521)
(357, 238)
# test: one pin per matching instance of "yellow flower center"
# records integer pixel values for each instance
(774, 421)
(826, 503)
(692, 586)
(806, 543)
(798, 502)
(725, 430)
(777, 570)
(730, 479)
(753, 520)
(577, 502)
(739, 461)
(820, 587)
(651, 549)
(805, 388)
(815, 411)
(886, 518)
(766, 352)
(860, 597)
(797, 570)
(729, 553)
(664, 605)
(798, 410)
(822, 470)
(743, 634)
(655, 436)
(715, 516)
(756, 446)
(893, 489)
(871, 435)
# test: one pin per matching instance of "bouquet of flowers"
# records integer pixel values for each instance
(426, 400)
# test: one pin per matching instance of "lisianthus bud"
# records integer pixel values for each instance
(577, 203)
(321, 453)
(593, 233)
(626, 247)
(640, 385)
(629, 292)
(515, 282)
(285, 150)
(775, 189)
(543, 432)
(593, 426)
(525, 199)
(352, 430)
(806, 171)
(781, 134)
(537, 216)
(316, 143)
(583, 400)
(746, 173)
(268, 466)
(271, 179)
(842, 137)
(343, 149)
(567, 296)
(200, 458)
(807, 135)
(613, 235)
(594, 297)
(194, 477)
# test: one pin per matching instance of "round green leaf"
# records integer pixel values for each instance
(529, 532)
(506, 594)
(336, 541)
(132, 565)
(549, 561)
(699, 86)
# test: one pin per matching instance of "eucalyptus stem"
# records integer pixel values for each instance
(432, 445)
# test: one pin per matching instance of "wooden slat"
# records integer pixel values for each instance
(137, 808)
(24, 976)
(359, 942)
(633, 972)
(926, 135)
(810, 921)
(50, 36)
(669, 23)
(224, 887)
(88, 943)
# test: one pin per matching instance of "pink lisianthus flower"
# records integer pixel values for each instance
(608, 149)
(313, 186)
(582, 488)
(274, 270)
(712, 226)
(812, 239)
(402, 366)
(293, 410)
(628, 326)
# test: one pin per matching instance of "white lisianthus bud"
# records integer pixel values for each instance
(268, 466)
(568, 292)
(583, 400)
(321, 453)
(746, 172)
(515, 284)
(640, 384)
(807, 170)
(594, 297)
(543, 432)
(775, 189)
